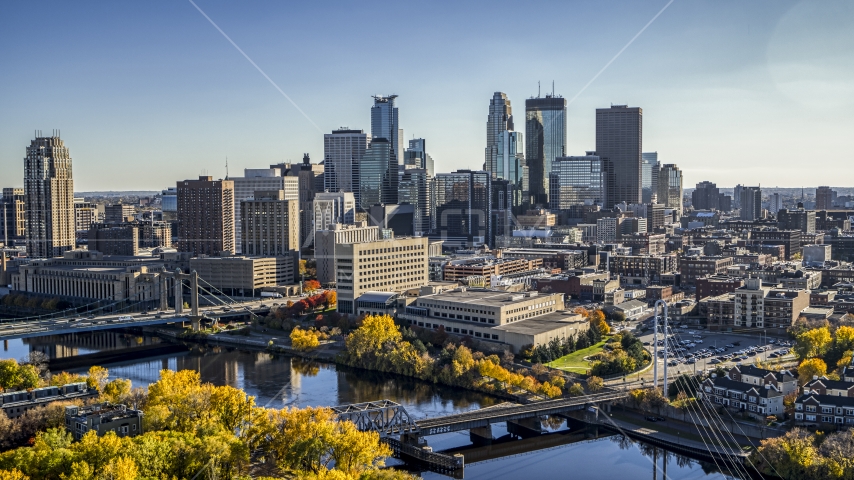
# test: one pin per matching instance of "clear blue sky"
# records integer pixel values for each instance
(147, 93)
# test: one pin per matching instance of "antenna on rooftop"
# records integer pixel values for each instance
(553, 88)
(226, 167)
(538, 89)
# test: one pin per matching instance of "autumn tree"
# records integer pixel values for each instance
(330, 297)
(810, 368)
(581, 311)
(310, 286)
(116, 390)
(594, 384)
(304, 340)
(97, 377)
(813, 343)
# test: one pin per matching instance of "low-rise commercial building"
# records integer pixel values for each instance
(460, 269)
(245, 276)
(693, 268)
(642, 269)
(715, 285)
(766, 308)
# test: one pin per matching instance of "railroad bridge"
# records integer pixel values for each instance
(391, 420)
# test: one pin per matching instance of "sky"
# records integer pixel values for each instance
(149, 93)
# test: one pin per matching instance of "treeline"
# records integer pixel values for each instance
(379, 345)
(557, 348)
(624, 353)
(198, 430)
(801, 455)
(27, 301)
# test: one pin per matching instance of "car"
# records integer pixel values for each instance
(736, 344)
(714, 361)
(772, 341)
(125, 318)
(655, 419)
(673, 363)
(691, 332)
(698, 341)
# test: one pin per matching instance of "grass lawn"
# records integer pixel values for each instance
(575, 361)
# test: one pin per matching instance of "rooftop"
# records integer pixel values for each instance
(483, 296)
(545, 323)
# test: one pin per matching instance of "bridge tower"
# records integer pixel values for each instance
(179, 278)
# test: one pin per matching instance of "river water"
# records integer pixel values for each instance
(279, 381)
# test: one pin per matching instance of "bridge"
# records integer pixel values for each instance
(75, 320)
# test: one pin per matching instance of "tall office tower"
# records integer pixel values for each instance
(416, 156)
(384, 122)
(260, 179)
(14, 226)
(670, 187)
(649, 175)
(706, 197)
(206, 216)
(463, 207)
(545, 140)
(511, 166)
(578, 180)
(331, 208)
(343, 149)
(619, 137)
(736, 196)
(824, 198)
(378, 175)
(48, 198)
(270, 224)
(500, 119)
(751, 203)
(775, 203)
(414, 189)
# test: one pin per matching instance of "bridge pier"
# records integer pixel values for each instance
(196, 322)
(525, 427)
(481, 435)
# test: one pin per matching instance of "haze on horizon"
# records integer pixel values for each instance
(148, 93)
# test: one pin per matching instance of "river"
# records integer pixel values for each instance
(278, 381)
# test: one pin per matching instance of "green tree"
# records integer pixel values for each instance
(9, 374)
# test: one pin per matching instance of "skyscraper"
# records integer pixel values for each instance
(670, 187)
(751, 203)
(414, 189)
(416, 156)
(706, 196)
(463, 207)
(500, 119)
(545, 140)
(48, 198)
(343, 149)
(511, 166)
(579, 180)
(206, 216)
(270, 224)
(259, 179)
(649, 175)
(378, 175)
(619, 137)
(384, 122)
(13, 217)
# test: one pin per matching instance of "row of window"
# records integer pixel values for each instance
(462, 331)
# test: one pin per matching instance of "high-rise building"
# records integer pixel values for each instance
(331, 208)
(206, 216)
(113, 239)
(649, 176)
(85, 214)
(463, 206)
(751, 203)
(775, 203)
(500, 119)
(384, 123)
(511, 166)
(343, 149)
(338, 234)
(670, 187)
(13, 218)
(261, 179)
(796, 219)
(545, 140)
(706, 196)
(270, 224)
(415, 189)
(378, 175)
(118, 213)
(824, 198)
(578, 180)
(416, 156)
(48, 198)
(736, 196)
(501, 210)
(619, 139)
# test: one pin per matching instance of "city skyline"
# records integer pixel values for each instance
(189, 100)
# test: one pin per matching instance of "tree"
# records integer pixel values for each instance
(304, 340)
(28, 376)
(594, 384)
(310, 286)
(13, 474)
(97, 377)
(581, 311)
(116, 390)
(64, 378)
(9, 373)
(376, 331)
(576, 390)
(331, 297)
(813, 343)
(810, 368)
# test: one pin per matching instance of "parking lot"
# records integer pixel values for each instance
(696, 350)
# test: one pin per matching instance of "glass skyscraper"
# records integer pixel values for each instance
(545, 132)
(619, 137)
(384, 122)
(500, 119)
(463, 206)
(378, 175)
(649, 175)
(416, 156)
(670, 187)
(342, 151)
(578, 180)
(510, 165)
(415, 189)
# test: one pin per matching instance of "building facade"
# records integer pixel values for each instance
(343, 150)
(545, 140)
(270, 224)
(48, 198)
(619, 139)
(463, 206)
(670, 187)
(206, 216)
(577, 180)
(13, 218)
(337, 234)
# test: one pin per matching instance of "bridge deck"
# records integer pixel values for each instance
(487, 416)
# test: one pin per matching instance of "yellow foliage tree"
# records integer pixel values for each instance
(304, 340)
(844, 337)
(594, 384)
(13, 474)
(375, 332)
(813, 343)
(97, 377)
(810, 368)
(120, 468)
(115, 390)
